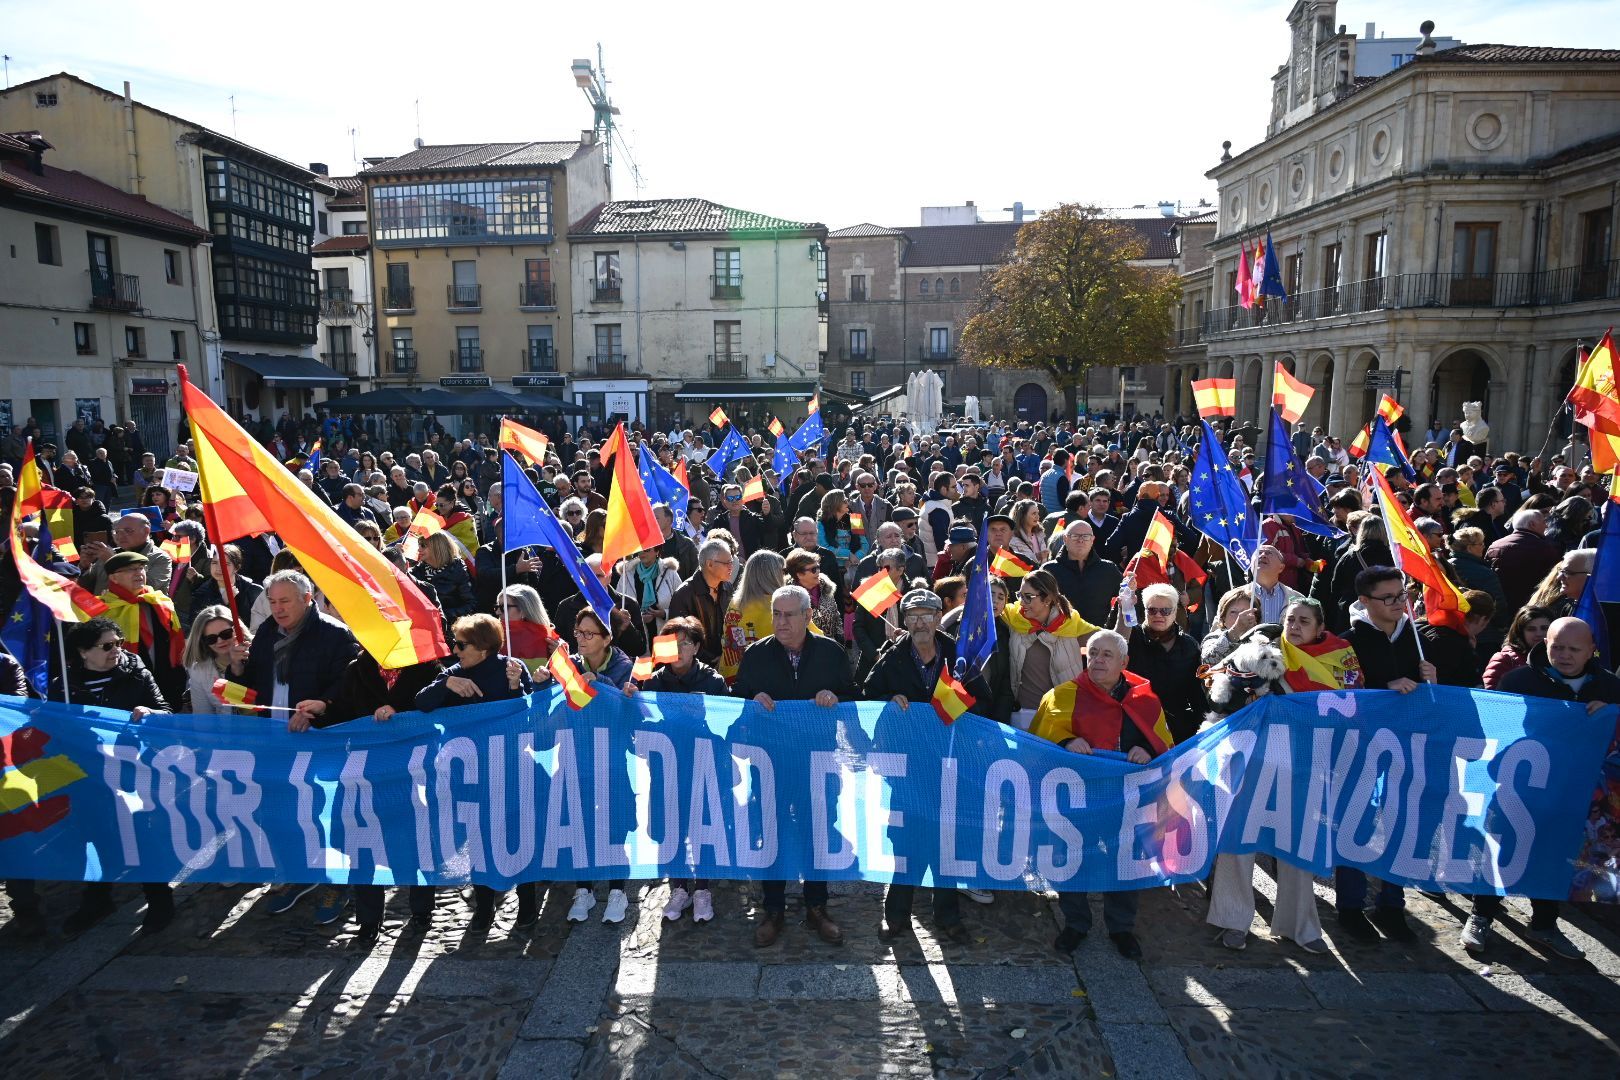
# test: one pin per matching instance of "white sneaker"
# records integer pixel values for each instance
(702, 906)
(979, 896)
(617, 904)
(584, 900)
(679, 901)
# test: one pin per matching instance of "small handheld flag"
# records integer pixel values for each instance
(754, 490)
(878, 593)
(643, 668)
(1161, 535)
(666, 649)
(578, 692)
(857, 524)
(951, 698)
(177, 548)
(1007, 564)
(230, 693)
(718, 417)
(775, 427)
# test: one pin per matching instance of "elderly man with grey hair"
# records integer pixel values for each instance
(706, 594)
(131, 532)
(1104, 708)
(1523, 557)
(794, 665)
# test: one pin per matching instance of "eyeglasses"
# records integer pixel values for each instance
(223, 635)
(1162, 611)
(108, 646)
(1030, 595)
(1390, 600)
(580, 633)
(573, 513)
(918, 618)
(459, 645)
(808, 570)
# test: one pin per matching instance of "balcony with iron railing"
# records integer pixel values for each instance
(612, 363)
(467, 359)
(607, 292)
(399, 299)
(860, 356)
(536, 295)
(337, 304)
(464, 297)
(728, 365)
(344, 363)
(114, 292)
(402, 361)
(539, 358)
(1406, 292)
(1188, 336)
(927, 354)
(728, 287)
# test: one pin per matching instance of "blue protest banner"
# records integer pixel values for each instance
(1444, 788)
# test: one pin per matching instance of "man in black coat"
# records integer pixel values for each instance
(705, 596)
(1452, 650)
(1168, 657)
(310, 666)
(794, 665)
(628, 633)
(1564, 666)
(1089, 581)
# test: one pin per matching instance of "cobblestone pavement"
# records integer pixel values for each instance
(229, 990)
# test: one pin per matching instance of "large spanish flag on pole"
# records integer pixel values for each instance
(1412, 555)
(631, 526)
(246, 491)
(55, 506)
(66, 600)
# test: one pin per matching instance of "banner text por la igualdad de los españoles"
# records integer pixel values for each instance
(1468, 791)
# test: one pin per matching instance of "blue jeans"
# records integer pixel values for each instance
(1119, 911)
(1350, 888)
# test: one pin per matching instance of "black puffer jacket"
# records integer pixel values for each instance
(131, 686)
(454, 586)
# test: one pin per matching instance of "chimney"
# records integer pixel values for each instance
(1426, 46)
(587, 137)
(1371, 28)
(318, 168)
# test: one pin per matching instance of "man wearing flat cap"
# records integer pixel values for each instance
(147, 618)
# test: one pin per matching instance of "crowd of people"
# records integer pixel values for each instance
(1097, 649)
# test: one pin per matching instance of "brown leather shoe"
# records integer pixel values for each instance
(768, 929)
(827, 930)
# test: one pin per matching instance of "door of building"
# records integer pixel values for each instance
(43, 410)
(1029, 402)
(151, 415)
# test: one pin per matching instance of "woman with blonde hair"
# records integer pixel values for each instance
(748, 618)
(1561, 589)
(1045, 642)
(532, 638)
(444, 569)
(207, 657)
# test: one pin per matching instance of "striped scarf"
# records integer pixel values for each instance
(125, 609)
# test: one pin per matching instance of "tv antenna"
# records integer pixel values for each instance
(593, 82)
(8, 72)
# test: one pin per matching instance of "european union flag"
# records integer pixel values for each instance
(529, 521)
(732, 450)
(977, 640)
(810, 433)
(1220, 507)
(29, 625)
(1287, 488)
(1381, 450)
(1271, 273)
(662, 486)
(1603, 584)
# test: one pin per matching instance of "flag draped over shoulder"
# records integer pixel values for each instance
(528, 521)
(246, 492)
(64, 599)
(1080, 706)
(1070, 625)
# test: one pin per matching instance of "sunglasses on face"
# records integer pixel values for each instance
(223, 635)
(109, 646)
(460, 645)
(1161, 611)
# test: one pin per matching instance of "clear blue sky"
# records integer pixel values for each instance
(837, 112)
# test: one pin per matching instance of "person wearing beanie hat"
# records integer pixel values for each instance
(958, 554)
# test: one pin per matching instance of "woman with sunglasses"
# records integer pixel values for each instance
(826, 608)
(572, 514)
(598, 658)
(208, 657)
(482, 672)
(532, 637)
(102, 672)
(1045, 642)
(467, 490)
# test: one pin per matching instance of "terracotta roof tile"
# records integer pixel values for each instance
(74, 189)
(677, 215)
(1519, 54)
(862, 230)
(342, 245)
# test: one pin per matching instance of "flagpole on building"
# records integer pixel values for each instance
(61, 646)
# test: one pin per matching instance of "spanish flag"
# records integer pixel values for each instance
(67, 600)
(1160, 538)
(1080, 708)
(878, 593)
(578, 692)
(1412, 555)
(52, 504)
(1329, 664)
(230, 693)
(719, 418)
(1290, 395)
(1391, 410)
(951, 698)
(857, 524)
(1215, 397)
(246, 492)
(643, 668)
(1359, 445)
(1596, 401)
(1070, 625)
(775, 427)
(1006, 563)
(426, 523)
(680, 475)
(666, 649)
(177, 548)
(754, 490)
(631, 526)
(532, 444)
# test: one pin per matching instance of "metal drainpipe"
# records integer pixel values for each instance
(776, 302)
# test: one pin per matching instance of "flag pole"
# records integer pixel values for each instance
(61, 646)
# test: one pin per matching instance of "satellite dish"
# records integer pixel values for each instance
(419, 142)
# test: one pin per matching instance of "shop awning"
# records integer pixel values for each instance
(740, 391)
(881, 396)
(288, 371)
(855, 398)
